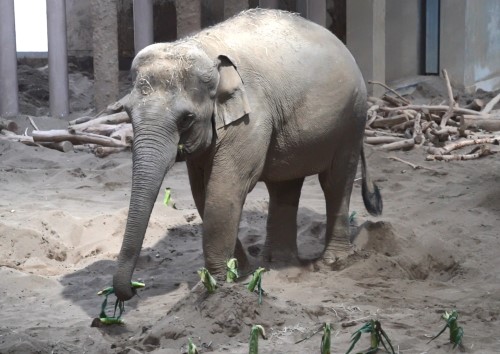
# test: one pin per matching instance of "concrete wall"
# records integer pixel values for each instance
(366, 39)
(470, 43)
(79, 26)
(403, 39)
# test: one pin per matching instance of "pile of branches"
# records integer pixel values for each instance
(395, 123)
(107, 133)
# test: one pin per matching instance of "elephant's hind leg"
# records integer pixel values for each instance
(281, 241)
(337, 183)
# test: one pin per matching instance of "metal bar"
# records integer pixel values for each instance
(58, 58)
(316, 11)
(105, 52)
(303, 8)
(143, 24)
(432, 37)
(269, 4)
(9, 105)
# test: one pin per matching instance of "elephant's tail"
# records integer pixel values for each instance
(369, 190)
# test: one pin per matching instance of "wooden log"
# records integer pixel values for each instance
(403, 126)
(369, 132)
(8, 125)
(124, 133)
(102, 129)
(63, 146)
(483, 151)
(476, 104)
(418, 136)
(463, 143)
(443, 134)
(117, 118)
(490, 105)
(451, 100)
(103, 151)
(80, 120)
(376, 140)
(389, 122)
(393, 100)
(474, 122)
(76, 138)
(376, 101)
(371, 114)
(116, 107)
(390, 89)
(8, 135)
(429, 108)
(415, 166)
(405, 144)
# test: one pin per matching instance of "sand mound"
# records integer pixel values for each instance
(396, 253)
(230, 312)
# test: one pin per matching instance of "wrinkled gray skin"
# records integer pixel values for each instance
(265, 96)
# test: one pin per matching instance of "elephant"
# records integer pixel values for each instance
(264, 96)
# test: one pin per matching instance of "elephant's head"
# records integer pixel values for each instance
(180, 96)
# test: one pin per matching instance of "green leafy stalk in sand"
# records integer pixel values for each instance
(377, 337)
(352, 218)
(456, 332)
(254, 338)
(207, 280)
(325, 340)
(232, 270)
(167, 199)
(192, 347)
(256, 282)
(120, 305)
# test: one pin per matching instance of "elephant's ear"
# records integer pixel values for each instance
(231, 102)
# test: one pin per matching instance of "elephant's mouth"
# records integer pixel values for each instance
(181, 153)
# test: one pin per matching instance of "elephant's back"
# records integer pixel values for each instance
(265, 36)
(275, 46)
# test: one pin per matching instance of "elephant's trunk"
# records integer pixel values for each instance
(154, 152)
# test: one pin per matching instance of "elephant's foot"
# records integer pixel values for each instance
(287, 256)
(335, 258)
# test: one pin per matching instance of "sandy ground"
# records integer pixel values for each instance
(62, 217)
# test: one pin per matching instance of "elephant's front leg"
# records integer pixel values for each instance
(281, 240)
(224, 199)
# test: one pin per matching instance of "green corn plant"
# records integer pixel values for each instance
(232, 270)
(377, 337)
(120, 305)
(352, 218)
(256, 282)
(254, 338)
(325, 340)
(207, 280)
(322, 327)
(167, 199)
(456, 332)
(192, 347)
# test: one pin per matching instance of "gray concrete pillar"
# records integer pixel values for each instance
(366, 39)
(105, 51)
(314, 10)
(58, 58)
(9, 106)
(188, 17)
(269, 4)
(143, 24)
(234, 7)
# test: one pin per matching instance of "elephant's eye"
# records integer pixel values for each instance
(186, 120)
